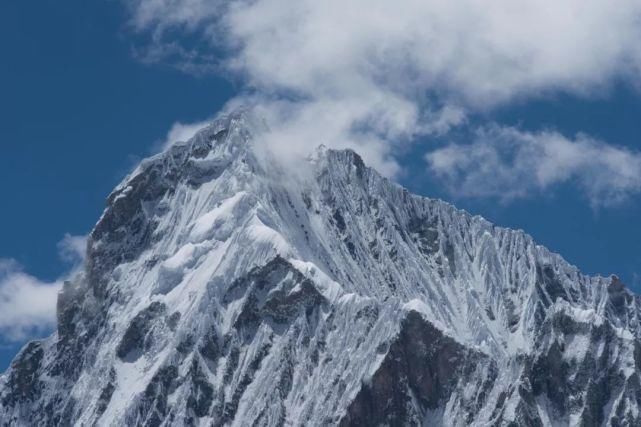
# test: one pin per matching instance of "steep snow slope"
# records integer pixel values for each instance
(220, 290)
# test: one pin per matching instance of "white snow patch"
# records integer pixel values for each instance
(174, 268)
(219, 223)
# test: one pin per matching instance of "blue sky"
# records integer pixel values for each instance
(87, 89)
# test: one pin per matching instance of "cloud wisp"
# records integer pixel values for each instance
(182, 132)
(506, 163)
(72, 249)
(28, 304)
(376, 75)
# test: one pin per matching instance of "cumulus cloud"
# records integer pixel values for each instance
(506, 163)
(375, 74)
(482, 51)
(28, 304)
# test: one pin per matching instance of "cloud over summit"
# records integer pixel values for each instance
(375, 75)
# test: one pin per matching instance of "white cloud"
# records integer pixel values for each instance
(477, 51)
(481, 51)
(164, 14)
(72, 249)
(298, 126)
(374, 75)
(507, 163)
(182, 132)
(27, 305)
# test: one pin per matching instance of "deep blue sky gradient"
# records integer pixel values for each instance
(78, 111)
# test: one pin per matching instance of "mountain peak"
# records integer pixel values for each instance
(217, 292)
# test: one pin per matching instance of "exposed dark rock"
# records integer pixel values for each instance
(201, 394)
(419, 372)
(425, 235)
(152, 408)
(24, 377)
(106, 393)
(276, 290)
(136, 337)
(549, 285)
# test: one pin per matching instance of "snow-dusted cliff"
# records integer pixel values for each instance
(221, 291)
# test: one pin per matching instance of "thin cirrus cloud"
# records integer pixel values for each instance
(28, 304)
(506, 163)
(376, 75)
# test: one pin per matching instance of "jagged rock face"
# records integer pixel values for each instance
(220, 290)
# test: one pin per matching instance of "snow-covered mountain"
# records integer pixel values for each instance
(220, 290)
